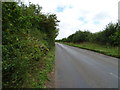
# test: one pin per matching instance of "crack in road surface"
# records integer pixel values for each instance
(79, 68)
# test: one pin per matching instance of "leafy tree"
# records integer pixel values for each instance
(110, 36)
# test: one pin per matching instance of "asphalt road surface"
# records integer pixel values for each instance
(79, 68)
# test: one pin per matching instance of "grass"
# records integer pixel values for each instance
(104, 49)
(38, 77)
(48, 67)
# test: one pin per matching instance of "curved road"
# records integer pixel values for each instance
(79, 68)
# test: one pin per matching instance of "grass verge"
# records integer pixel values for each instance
(39, 75)
(104, 49)
(49, 62)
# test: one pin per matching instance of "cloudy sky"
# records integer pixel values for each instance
(92, 15)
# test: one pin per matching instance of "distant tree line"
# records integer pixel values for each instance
(109, 36)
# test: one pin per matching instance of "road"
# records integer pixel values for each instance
(79, 68)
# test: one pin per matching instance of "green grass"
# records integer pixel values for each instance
(38, 77)
(104, 49)
(48, 67)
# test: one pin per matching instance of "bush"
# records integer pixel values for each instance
(26, 41)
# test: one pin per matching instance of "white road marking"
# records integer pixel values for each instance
(114, 75)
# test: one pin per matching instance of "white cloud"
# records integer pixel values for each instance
(92, 15)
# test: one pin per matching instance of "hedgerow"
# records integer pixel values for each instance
(28, 36)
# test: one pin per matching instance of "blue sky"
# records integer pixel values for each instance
(82, 19)
(96, 22)
(92, 15)
(60, 9)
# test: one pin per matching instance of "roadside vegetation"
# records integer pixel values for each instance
(28, 43)
(104, 49)
(106, 41)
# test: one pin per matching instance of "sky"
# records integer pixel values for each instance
(74, 15)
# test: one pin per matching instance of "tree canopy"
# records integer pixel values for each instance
(110, 35)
